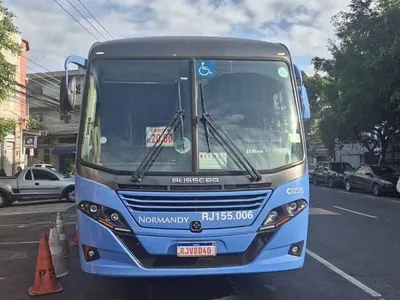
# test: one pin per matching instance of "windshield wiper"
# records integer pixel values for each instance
(158, 145)
(224, 140)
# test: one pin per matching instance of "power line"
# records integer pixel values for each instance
(76, 20)
(36, 74)
(90, 23)
(95, 19)
(47, 87)
(40, 67)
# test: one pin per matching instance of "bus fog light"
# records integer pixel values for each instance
(93, 208)
(295, 249)
(90, 253)
(114, 217)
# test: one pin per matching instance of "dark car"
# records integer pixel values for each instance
(374, 178)
(311, 169)
(331, 173)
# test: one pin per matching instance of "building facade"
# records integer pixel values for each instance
(58, 131)
(12, 150)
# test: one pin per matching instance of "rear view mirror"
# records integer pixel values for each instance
(68, 87)
(302, 92)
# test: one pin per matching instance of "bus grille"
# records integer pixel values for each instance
(193, 202)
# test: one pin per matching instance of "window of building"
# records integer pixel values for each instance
(67, 140)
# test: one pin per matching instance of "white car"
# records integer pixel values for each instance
(48, 166)
(398, 186)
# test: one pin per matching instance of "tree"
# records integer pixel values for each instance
(365, 72)
(33, 123)
(7, 70)
(323, 96)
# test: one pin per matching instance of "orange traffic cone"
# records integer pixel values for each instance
(75, 241)
(45, 279)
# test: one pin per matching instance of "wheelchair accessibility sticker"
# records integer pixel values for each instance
(205, 68)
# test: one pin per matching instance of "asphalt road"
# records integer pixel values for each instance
(353, 253)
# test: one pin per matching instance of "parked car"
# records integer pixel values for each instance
(311, 169)
(36, 183)
(48, 166)
(331, 173)
(398, 186)
(374, 178)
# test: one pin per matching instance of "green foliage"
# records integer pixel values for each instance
(6, 126)
(7, 44)
(363, 90)
(33, 123)
(70, 166)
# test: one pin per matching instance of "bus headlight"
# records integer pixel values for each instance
(282, 214)
(105, 215)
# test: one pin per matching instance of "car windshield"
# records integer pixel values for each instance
(129, 103)
(383, 170)
(341, 167)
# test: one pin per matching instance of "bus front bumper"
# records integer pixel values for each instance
(155, 256)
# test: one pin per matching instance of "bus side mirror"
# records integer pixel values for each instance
(68, 87)
(304, 102)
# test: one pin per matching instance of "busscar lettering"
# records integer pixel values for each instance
(163, 220)
(194, 180)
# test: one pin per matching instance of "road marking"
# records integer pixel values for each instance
(324, 188)
(344, 192)
(19, 243)
(343, 274)
(35, 209)
(18, 255)
(395, 201)
(35, 223)
(355, 212)
(321, 211)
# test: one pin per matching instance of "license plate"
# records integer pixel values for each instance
(200, 249)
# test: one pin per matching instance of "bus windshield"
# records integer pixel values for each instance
(129, 103)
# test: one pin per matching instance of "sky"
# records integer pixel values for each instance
(303, 26)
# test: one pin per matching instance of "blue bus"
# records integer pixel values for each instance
(191, 157)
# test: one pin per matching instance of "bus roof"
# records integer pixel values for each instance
(187, 46)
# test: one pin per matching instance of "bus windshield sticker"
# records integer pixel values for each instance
(205, 68)
(183, 145)
(294, 138)
(153, 134)
(283, 72)
(259, 151)
(213, 161)
(103, 140)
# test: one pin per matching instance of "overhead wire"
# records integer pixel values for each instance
(83, 5)
(40, 67)
(90, 23)
(76, 20)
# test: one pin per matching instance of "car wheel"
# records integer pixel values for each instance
(375, 190)
(347, 185)
(3, 200)
(330, 182)
(70, 194)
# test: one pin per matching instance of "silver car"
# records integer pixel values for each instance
(36, 184)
